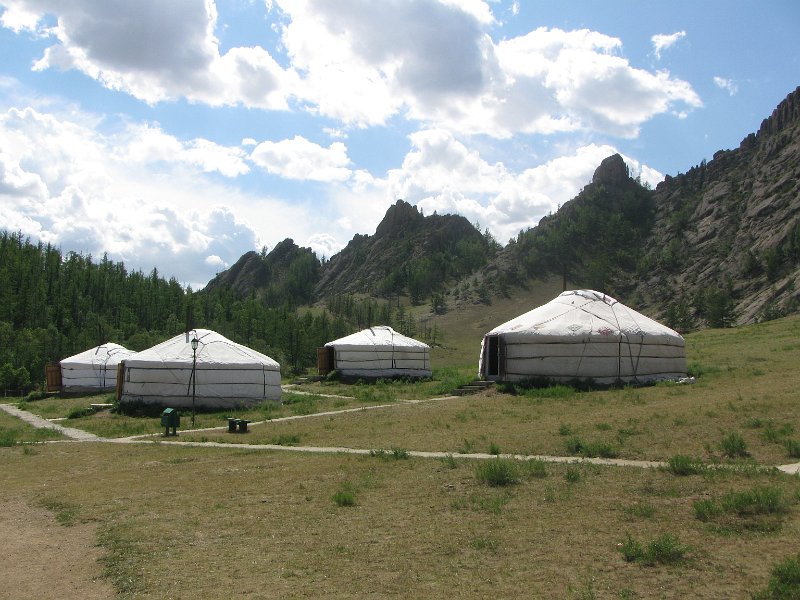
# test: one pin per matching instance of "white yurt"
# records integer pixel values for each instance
(583, 335)
(227, 374)
(93, 370)
(378, 351)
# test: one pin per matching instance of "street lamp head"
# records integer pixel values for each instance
(195, 341)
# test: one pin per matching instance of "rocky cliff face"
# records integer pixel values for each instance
(403, 239)
(732, 224)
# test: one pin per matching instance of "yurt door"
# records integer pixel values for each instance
(492, 358)
(325, 360)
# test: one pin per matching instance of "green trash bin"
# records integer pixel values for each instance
(170, 418)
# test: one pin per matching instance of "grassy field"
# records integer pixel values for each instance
(179, 522)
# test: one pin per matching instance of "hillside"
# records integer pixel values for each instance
(286, 274)
(408, 254)
(718, 245)
(728, 232)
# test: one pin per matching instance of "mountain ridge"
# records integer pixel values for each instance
(717, 245)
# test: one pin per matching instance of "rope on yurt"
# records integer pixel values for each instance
(634, 366)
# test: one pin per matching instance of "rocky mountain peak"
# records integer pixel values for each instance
(785, 114)
(612, 171)
(398, 219)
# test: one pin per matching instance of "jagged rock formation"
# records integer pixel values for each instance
(719, 244)
(732, 226)
(409, 253)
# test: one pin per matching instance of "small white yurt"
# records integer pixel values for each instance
(583, 335)
(94, 370)
(378, 351)
(227, 374)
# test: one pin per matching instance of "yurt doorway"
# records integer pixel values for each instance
(492, 356)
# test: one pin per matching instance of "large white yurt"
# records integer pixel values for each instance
(583, 335)
(227, 374)
(93, 370)
(378, 351)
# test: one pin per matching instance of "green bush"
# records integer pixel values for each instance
(734, 446)
(758, 509)
(576, 445)
(666, 549)
(497, 472)
(793, 448)
(572, 475)
(494, 449)
(78, 413)
(345, 496)
(784, 582)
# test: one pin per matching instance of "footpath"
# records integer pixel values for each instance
(78, 435)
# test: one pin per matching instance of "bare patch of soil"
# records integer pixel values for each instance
(39, 558)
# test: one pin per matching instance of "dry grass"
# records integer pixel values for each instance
(738, 390)
(208, 523)
(211, 523)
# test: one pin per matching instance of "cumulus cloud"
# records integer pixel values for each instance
(663, 41)
(63, 182)
(441, 174)
(301, 159)
(149, 144)
(729, 85)
(362, 63)
(153, 50)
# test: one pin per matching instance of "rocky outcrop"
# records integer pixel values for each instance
(733, 224)
(612, 171)
(403, 239)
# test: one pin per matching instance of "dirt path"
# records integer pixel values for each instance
(39, 558)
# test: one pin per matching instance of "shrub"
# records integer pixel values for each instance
(35, 395)
(685, 465)
(77, 413)
(498, 472)
(734, 446)
(631, 549)
(345, 496)
(576, 445)
(400, 453)
(564, 429)
(759, 509)
(793, 448)
(572, 475)
(494, 449)
(784, 582)
(666, 549)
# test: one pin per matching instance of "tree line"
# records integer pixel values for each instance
(54, 305)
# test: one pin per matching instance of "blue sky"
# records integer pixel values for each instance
(181, 134)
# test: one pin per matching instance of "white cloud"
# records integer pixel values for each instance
(301, 159)
(663, 41)
(154, 51)
(440, 174)
(363, 62)
(726, 84)
(66, 183)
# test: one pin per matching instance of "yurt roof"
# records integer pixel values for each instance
(585, 313)
(378, 335)
(213, 350)
(104, 354)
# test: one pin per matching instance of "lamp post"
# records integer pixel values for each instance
(194, 372)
